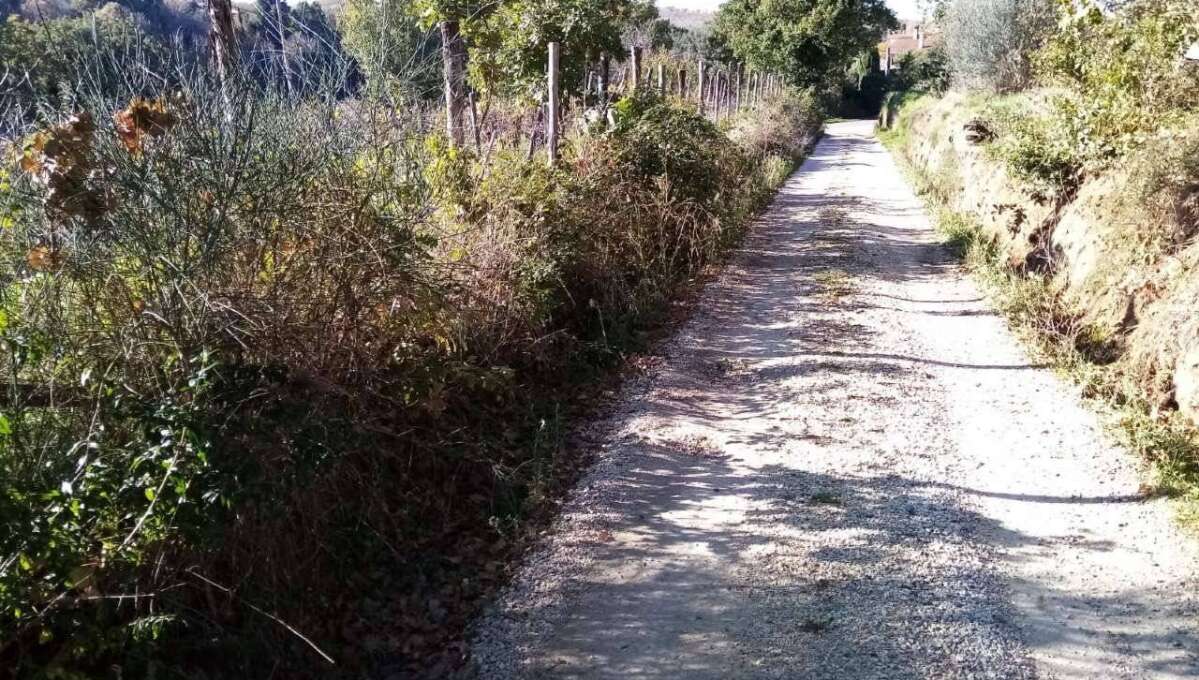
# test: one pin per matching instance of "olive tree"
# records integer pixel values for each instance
(990, 43)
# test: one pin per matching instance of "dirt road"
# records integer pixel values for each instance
(846, 467)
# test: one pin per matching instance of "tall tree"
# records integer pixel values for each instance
(510, 46)
(808, 42)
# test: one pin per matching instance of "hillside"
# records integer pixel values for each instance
(686, 18)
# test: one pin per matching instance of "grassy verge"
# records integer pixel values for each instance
(1079, 351)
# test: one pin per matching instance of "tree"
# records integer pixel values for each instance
(990, 43)
(392, 50)
(509, 48)
(315, 50)
(224, 40)
(44, 61)
(809, 42)
(449, 16)
(309, 19)
(643, 27)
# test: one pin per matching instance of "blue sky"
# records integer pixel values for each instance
(904, 8)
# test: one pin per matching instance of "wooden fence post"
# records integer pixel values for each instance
(714, 93)
(683, 84)
(453, 56)
(474, 120)
(662, 78)
(717, 87)
(702, 68)
(736, 91)
(722, 102)
(717, 81)
(604, 80)
(636, 55)
(730, 92)
(551, 125)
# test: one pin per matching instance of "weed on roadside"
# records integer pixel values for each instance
(835, 283)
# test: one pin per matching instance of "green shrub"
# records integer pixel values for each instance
(656, 140)
(294, 356)
(1036, 140)
(43, 62)
(924, 71)
(796, 120)
(1117, 83)
(1125, 69)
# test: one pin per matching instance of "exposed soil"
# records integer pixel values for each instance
(847, 467)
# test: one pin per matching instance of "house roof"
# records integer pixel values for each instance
(903, 43)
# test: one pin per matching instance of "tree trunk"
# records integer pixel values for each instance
(604, 78)
(453, 57)
(224, 42)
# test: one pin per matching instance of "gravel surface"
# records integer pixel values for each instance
(846, 467)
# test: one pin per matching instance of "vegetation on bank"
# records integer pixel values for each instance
(1090, 97)
(285, 374)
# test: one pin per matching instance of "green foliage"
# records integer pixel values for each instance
(394, 52)
(1037, 142)
(509, 46)
(1125, 71)
(45, 62)
(1118, 83)
(809, 42)
(144, 321)
(643, 28)
(795, 118)
(924, 71)
(657, 141)
(78, 521)
(990, 43)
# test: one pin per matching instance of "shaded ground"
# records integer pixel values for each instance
(847, 468)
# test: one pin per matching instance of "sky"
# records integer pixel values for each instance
(903, 8)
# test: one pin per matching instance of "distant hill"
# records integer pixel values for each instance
(686, 18)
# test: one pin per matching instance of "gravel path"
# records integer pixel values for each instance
(846, 467)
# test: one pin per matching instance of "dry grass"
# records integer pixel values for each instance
(835, 283)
